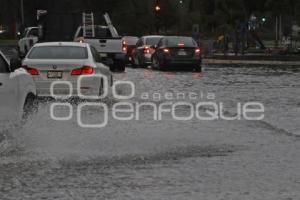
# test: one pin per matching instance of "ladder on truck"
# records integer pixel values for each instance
(112, 29)
(88, 25)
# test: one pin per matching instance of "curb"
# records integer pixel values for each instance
(251, 62)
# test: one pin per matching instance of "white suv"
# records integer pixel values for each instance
(17, 92)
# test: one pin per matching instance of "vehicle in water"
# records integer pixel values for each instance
(145, 47)
(177, 52)
(77, 66)
(110, 46)
(17, 92)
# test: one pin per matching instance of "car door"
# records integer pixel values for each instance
(138, 49)
(8, 89)
(158, 50)
(141, 49)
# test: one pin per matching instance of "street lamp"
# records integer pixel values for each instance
(157, 8)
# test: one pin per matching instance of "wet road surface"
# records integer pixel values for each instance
(168, 159)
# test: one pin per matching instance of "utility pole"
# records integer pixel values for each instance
(22, 12)
(157, 10)
(276, 31)
(181, 15)
(280, 27)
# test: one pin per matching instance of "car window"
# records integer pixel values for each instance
(131, 40)
(95, 54)
(3, 66)
(160, 43)
(152, 41)
(139, 43)
(186, 41)
(58, 52)
(100, 33)
(33, 32)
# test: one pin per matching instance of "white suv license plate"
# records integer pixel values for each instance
(54, 74)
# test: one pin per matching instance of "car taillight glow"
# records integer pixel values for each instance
(86, 70)
(124, 46)
(76, 72)
(166, 51)
(197, 51)
(180, 44)
(146, 50)
(31, 71)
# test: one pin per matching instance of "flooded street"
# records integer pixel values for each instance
(167, 159)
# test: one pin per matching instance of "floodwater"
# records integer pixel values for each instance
(168, 158)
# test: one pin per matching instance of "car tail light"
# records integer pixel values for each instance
(166, 51)
(86, 70)
(76, 72)
(180, 44)
(197, 51)
(31, 71)
(124, 46)
(146, 50)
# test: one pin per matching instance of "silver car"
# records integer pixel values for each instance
(67, 68)
(145, 47)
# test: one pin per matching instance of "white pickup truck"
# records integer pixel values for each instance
(110, 46)
(30, 38)
(112, 50)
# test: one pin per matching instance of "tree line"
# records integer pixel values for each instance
(137, 17)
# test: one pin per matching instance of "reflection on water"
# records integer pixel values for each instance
(49, 159)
